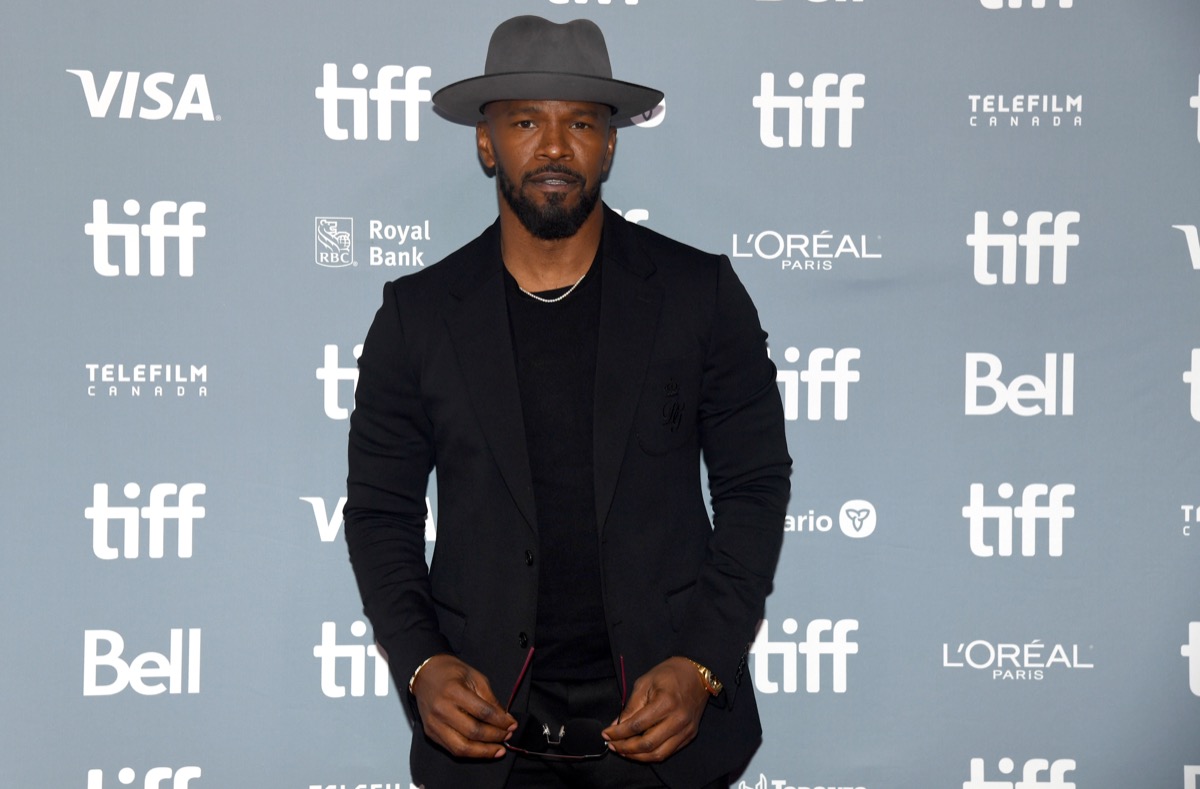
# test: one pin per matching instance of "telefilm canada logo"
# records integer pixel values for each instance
(800, 252)
(764, 782)
(392, 244)
(1043, 773)
(1025, 110)
(827, 94)
(155, 778)
(855, 519)
(146, 379)
(158, 96)
(1031, 661)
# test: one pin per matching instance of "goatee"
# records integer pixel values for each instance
(554, 220)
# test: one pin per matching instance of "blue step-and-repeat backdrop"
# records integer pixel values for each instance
(970, 227)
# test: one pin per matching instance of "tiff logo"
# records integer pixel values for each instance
(1027, 395)
(184, 512)
(815, 376)
(158, 230)
(332, 373)
(839, 647)
(332, 654)
(996, 5)
(598, 2)
(180, 666)
(1191, 651)
(1054, 512)
(1033, 241)
(156, 777)
(1031, 774)
(1191, 777)
(193, 99)
(819, 102)
(330, 524)
(384, 95)
(1192, 379)
(1193, 242)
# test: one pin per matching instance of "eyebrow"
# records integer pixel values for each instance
(526, 109)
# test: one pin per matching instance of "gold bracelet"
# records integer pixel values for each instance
(413, 678)
(710, 682)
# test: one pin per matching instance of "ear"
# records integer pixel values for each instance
(483, 142)
(610, 149)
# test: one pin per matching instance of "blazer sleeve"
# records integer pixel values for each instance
(390, 456)
(745, 450)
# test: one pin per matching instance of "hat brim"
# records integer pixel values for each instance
(464, 101)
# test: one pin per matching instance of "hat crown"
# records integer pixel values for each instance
(534, 44)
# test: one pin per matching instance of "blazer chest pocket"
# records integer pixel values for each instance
(666, 415)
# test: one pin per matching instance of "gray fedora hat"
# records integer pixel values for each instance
(534, 58)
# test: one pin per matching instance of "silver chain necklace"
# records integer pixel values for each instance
(556, 298)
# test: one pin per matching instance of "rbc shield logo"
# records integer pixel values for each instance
(334, 245)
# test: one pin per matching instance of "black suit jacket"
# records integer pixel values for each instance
(681, 370)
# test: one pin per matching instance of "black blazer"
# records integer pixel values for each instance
(681, 370)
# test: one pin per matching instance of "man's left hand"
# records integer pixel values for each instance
(662, 714)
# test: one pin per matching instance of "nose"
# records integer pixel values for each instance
(555, 143)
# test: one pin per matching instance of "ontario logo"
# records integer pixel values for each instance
(334, 241)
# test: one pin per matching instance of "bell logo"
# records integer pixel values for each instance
(1031, 775)
(1027, 395)
(996, 5)
(819, 102)
(184, 513)
(1191, 651)
(813, 647)
(1192, 379)
(332, 654)
(180, 667)
(1054, 512)
(384, 95)
(815, 376)
(1033, 241)
(333, 374)
(330, 525)
(193, 98)
(156, 778)
(158, 230)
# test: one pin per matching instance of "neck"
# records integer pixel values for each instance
(537, 264)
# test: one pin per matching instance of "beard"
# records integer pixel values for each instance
(554, 220)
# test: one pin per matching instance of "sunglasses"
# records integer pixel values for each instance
(575, 740)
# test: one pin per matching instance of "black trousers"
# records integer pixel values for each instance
(600, 700)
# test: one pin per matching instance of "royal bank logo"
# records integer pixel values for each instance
(344, 666)
(1191, 651)
(996, 5)
(155, 778)
(334, 241)
(153, 379)
(1025, 395)
(855, 519)
(815, 107)
(764, 782)
(829, 371)
(1040, 504)
(168, 504)
(334, 377)
(1028, 111)
(183, 230)
(1191, 377)
(1042, 773)
(1193, 243)
(155, 98)
(822, 638)
(1015, 662)
(800, 252)
(107, 673)
(329, 523)
(1044, 231)
(384, 96)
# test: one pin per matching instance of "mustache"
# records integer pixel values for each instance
(556, 169)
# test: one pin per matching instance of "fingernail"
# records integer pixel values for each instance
(498, 754)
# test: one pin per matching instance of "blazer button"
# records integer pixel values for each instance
(529, 558)
(523, 640)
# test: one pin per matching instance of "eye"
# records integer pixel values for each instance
(524, 124)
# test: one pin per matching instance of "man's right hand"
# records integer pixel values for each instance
(459, 711)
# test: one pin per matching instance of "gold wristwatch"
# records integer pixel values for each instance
(711, 683)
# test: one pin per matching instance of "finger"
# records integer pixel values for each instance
(490, 711)
(638, 717)
(458, 708)
(458, 745)
(661, 751)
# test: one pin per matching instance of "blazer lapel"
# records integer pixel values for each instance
(483, 344)
(630, 301)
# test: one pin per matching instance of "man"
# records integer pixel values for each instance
(564, 372)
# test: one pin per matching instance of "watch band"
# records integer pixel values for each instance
(711, 683)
